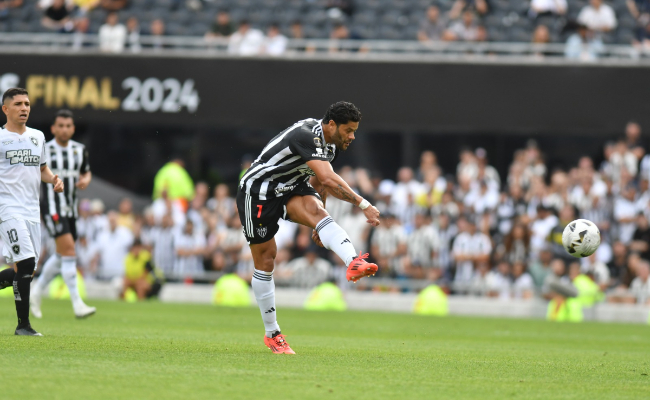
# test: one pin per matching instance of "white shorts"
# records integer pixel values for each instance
(21, 240)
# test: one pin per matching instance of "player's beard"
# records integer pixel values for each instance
(340, 142)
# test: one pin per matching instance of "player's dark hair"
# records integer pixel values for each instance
(13, 92)
(342, 112)
(63, 114)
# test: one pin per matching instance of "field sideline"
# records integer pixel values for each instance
(172, 351)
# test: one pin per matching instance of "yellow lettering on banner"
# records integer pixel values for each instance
(67, 92)
(49, 91)
(89, 94)
(35, 88)
(108, 101)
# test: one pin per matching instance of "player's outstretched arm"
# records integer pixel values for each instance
(337, 187)
(48, 177)
(84, 180)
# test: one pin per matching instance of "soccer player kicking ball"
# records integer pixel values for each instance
(22, 168)
(69, 160)
(291, 179)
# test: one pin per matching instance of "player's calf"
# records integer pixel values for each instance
(7, 278)
(22, 282)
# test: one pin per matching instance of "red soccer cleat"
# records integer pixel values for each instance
(359, 268)
(278, 345)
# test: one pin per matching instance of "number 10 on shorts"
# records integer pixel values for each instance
(13, 235)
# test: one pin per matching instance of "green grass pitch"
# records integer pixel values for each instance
(175, 351)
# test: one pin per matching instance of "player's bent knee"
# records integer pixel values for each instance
(65, 245)
(25, 268)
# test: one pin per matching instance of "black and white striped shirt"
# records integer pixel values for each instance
(68, 163)
(282, 164)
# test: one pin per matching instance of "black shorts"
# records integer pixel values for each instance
(59, 226)
(259, 218)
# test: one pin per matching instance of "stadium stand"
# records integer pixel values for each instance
(506, 20)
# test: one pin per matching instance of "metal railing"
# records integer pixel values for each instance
(192, 46)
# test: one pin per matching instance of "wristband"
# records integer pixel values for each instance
(364, 204)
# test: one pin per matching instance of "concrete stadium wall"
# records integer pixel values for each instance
(394, 302)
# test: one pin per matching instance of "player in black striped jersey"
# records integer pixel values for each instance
(291, 179)
(68, 159)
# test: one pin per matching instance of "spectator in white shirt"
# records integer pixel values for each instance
(112, 35)
(625, 211)
(422, 246)
(640, 286)
(389, 244)
(499, 281)
(469, 249)
(246, 41)
(522, 286)
(133, 37)
(276, 42)
(189, 247)
(308, 271)
(111, 248)
(547, 7)
(404, 194)
(598, 17)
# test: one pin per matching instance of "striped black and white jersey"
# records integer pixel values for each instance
(67, 162)
(282, 164)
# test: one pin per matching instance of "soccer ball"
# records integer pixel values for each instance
(581, 238)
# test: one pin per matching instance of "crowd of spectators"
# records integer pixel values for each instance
(471, 230)
(584, 30)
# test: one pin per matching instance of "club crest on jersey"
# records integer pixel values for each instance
(318, 142)
(16, 249)
(34, 140)
(23, 156)
(261, 231)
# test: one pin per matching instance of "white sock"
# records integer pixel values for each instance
(264, 289)
(51, 268)
(69, 274)
(334, 238)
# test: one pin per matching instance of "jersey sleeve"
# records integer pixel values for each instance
(308, 146)
(85, 165)
(44, 160)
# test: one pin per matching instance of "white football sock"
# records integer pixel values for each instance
(51, 268)
(69, 274)
(334, 238)
(264, 289)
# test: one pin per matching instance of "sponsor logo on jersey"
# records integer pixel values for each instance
(34, 140)
(307, 171)
(284, 189)
(261, 231)
(6, 142)
(319, 153)
(23, 156)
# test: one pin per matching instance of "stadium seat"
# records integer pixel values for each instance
(198, 29)
(519, 35)
(627, 22)
(625, 36)
(389, 33)
(392, 17)
(183, 17)
(365, 17)
(176, 29)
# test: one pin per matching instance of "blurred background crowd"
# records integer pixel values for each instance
(255, 27)
(468, 230)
